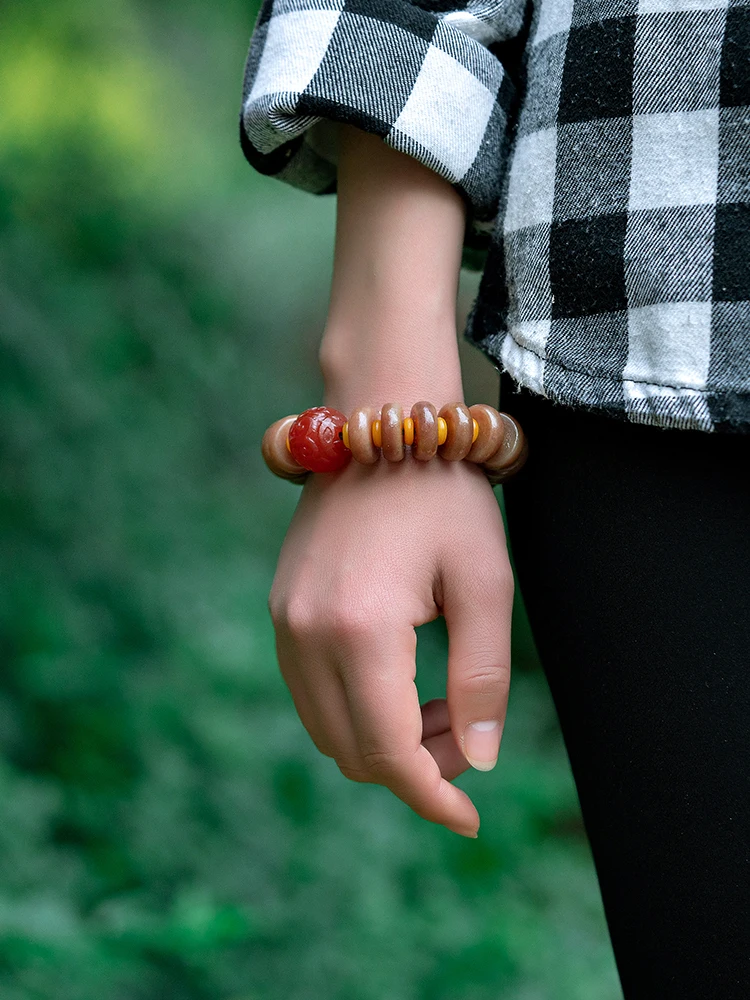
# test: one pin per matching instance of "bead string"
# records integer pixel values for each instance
(408, 432)
(322, 439)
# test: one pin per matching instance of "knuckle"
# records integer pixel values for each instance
(499, 585)
(385, 762)
(302, 617)
(485, 677)
(378, 761)
(486, 595)
(297, 617)
(492, 571)
(354, 771)
(506, 585)
(374, 766)
(275, 607)
(325, 748)
(354, 631)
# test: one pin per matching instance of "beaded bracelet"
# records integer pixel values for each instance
(322, 439)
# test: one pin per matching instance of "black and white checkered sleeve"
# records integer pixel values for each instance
(425, 76)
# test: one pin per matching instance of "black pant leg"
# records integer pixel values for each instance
(632, 546)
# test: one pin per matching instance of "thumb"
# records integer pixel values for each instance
(477, 605)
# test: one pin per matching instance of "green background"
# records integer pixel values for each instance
(167, 828)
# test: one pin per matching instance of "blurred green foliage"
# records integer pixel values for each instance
(167, 828)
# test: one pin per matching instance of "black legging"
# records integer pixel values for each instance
(632, 546)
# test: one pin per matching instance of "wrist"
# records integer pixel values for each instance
(402, 361)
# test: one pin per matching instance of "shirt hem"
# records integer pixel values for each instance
(636, 401)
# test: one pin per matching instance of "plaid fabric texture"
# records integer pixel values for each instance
(606, 168)
(424, 81)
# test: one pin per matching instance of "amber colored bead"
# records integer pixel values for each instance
(392, 432)
(442, 430)
(315, 440)
(491, 432)
(408, 431)
(360, 435)
(460, 431)
(511, 454)
(276, 454)
(425, 444)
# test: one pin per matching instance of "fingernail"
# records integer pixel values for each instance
(482, 744)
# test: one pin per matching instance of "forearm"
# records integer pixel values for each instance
(375, 551)
(391, 331)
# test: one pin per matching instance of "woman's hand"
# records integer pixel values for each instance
(372, 552)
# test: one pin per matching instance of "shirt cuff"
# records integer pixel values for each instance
(415, 78)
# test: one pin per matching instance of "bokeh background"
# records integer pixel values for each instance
(168, 831)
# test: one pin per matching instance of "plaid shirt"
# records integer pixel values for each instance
(602, 148)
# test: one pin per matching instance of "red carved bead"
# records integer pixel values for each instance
(315, 440)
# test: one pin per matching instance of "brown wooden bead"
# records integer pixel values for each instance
(276, 455)
(360, 435)
(392, 432)
(425, 444)
(511, 454)
(491, 432)
(457, 444)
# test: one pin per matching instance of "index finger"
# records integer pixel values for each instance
(378, 679)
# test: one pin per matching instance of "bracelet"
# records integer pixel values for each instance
(322, 439)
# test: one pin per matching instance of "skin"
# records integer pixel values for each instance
(374, 551)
